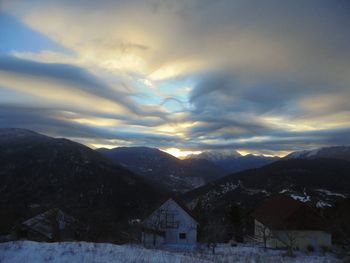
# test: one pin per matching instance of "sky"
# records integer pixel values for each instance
(262, 77)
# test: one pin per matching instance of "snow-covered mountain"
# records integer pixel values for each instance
(334, 152)
(232, 161)
(216, 155)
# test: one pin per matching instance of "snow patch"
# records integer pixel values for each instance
(284, 191)
(323, 204)
(313, 152)
(304, 199)
(327, 192)
(303, 154)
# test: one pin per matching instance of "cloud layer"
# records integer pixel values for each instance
(264, 77)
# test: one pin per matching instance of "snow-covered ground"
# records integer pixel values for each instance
(71, 252)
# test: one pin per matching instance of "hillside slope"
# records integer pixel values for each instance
(321, 182)
(38, 172)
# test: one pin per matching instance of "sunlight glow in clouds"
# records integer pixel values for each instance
(179, 153)
(264, 77)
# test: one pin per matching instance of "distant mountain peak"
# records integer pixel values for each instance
(232, 161)
(334, 152)
(132, 149)
(303, 153)
(215, 155)
(142, 152)
(16, 132)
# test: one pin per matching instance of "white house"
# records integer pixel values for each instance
(171, 225)
(281, 221)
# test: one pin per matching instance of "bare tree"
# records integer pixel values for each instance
(235, 217)
(289, 239)
(214, 231)
(156, 224)
(55, 218)
(263, 233)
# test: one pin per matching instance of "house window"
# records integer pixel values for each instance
(182, 235)
(170, 221)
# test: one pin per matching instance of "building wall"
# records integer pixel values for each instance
(300, 239)
(261, 230)
(183, 223)
(152, 240)
(23, 232)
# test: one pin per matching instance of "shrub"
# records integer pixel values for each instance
(310, 248)
(325, 249)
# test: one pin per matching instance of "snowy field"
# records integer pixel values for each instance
(70, 252)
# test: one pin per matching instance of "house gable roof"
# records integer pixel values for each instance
(179, 203)
(184, 207)
(284, 213)
(45, 222)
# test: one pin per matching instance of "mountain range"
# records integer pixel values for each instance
(232, 161)
(163, 169)
(105, 189)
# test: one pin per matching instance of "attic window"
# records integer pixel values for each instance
(182, 235)
(170, 220)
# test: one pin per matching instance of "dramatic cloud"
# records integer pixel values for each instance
(260, 76)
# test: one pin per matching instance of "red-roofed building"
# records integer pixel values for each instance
(281, 221)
